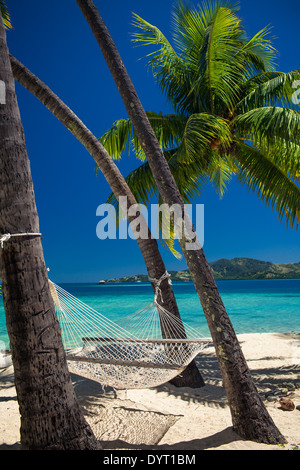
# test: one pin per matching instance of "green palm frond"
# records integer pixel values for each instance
(220, 172)
(219, 67)
(5, 15)
(168, 129)
(143, 187)
(190, 178)
(118, 138)
(189, 174)
(269, 182)
(259, 53)
(141, 184)
(189, 28)
(168, 68)
(149, 34)
(201, 131)
(166, 229)
(269, 127)
(192, 162)
(272, 88)
(285, 157)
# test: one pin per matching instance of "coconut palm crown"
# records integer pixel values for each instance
(234, 113)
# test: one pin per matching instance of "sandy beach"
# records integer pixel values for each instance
(169, 418)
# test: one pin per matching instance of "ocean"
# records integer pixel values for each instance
(256, 306)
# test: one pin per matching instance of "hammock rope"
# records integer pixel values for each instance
(157, 283)
(7, 236)
(127, 354)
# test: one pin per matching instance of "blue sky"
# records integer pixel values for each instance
(55, 42)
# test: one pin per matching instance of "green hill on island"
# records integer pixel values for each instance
(225, 269)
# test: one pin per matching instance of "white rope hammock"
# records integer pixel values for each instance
(131, 354)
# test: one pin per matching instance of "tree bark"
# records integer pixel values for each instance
(191, 376)
(249, 415)
(50, 414)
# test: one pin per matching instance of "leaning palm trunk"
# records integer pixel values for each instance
(50, 414)
(249, 415)
(191, 377)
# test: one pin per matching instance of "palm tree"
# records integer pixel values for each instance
(234, 113)
(250, 417)
(50, 414)
(191, 376)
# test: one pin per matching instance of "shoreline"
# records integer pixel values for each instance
(170, 418)
(133, 283)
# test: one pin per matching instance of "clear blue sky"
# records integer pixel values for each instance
(53, 39)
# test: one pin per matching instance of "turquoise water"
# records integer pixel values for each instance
(253, 306)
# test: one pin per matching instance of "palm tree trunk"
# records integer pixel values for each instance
(249, 415)
(191, 377)
(50, 414)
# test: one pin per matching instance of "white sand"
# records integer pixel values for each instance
(178, 418)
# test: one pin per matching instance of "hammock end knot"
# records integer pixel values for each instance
(157, 283)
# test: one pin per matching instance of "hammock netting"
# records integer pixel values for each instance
(133, 353)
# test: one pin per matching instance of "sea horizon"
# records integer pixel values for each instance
(254, 305)
(173, 282)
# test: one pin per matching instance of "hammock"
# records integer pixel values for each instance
(128, 354)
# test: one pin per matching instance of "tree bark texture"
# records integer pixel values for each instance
(191, 377)
(50, 414)
(249, 415)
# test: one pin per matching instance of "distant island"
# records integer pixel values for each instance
(225, 269)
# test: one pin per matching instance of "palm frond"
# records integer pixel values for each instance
(269, 89)
(190, 174)
(143, 187)
(220, 172)
(168, 129)
(149, 34)
(190, 178)
(209, 40)
(201, 131)
(286, 157)
(5, 15)
(117, 138)
(192, 162)
(167, 66)
(166, 229)
(259, 52)
(269, 182)
(141, 184)
(188, 26)
(269, 127)
(220, 69)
